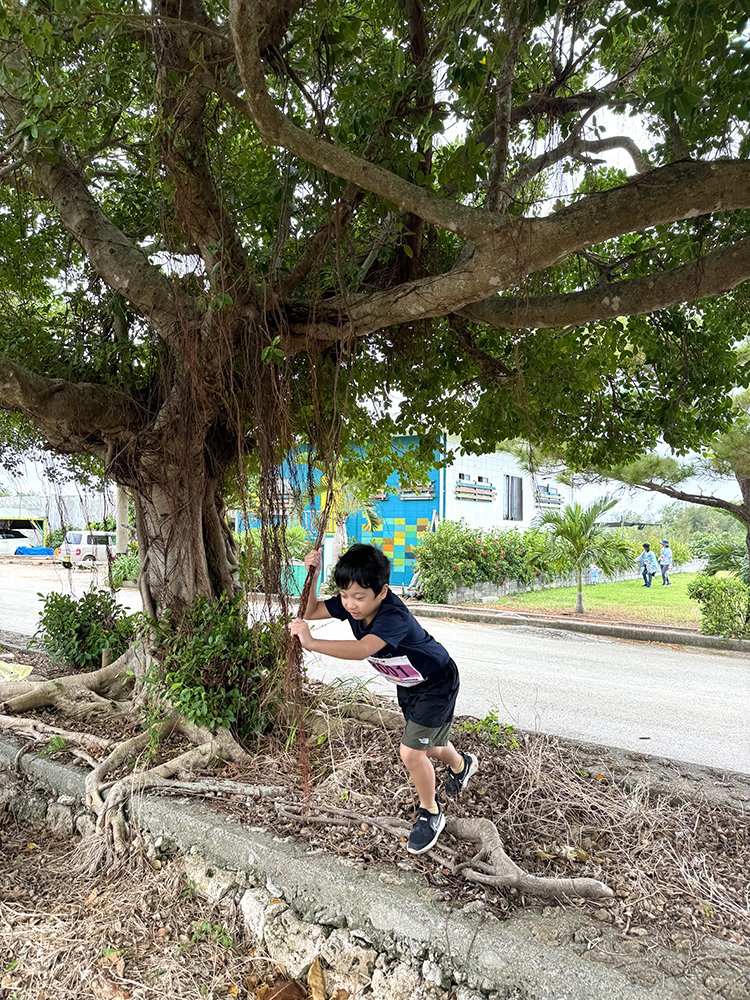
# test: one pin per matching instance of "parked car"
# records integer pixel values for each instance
(11, 538)
(87, 547)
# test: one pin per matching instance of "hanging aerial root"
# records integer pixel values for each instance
(490, 865)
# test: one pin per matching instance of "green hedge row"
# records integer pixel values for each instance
(456, 555)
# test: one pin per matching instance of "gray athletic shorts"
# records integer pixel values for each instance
(418, 737)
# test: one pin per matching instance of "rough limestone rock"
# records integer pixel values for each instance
(254, 907)
(208, 880)
(293, 943)
(402, 982)
(351, 966)
(60, 820)
(29, 808)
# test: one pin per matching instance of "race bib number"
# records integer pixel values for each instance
(398, 669)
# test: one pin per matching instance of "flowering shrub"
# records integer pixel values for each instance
(457, 555)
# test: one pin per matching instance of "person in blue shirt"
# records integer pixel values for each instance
(389, 637)
(649, 565)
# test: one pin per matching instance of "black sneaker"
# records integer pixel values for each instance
(425, 832)
(456, 783)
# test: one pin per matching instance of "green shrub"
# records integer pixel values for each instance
(75, 632)
(125, 567)
(491, 730)
(221, 672)
(57, 537)
(725, 606)
(457, 555)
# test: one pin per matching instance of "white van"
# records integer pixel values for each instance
(88, 547)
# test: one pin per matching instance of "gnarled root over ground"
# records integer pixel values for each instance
(132, 766)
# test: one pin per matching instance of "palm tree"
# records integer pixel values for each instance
(577, 539)
(728, 555)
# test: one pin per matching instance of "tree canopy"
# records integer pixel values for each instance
(226, 225)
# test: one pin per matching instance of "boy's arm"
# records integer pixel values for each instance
(315, 609)
(342, 649)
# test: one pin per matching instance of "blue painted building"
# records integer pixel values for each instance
(485, 491)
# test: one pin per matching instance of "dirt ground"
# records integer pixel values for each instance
(138, 932)
(678, 866)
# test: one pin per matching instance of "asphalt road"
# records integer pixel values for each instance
(683, 703)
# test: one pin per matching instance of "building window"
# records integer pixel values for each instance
(513, 499)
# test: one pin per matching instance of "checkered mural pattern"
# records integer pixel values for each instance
(398, 537)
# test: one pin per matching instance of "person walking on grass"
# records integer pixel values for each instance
(388, 635)
(665, 561)
(649, 565)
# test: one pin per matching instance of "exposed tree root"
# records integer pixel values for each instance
(12, 689)
(64, 691)
(40, 732)
(109, 801)
(84, 694)
(490, 866)
(331, 719)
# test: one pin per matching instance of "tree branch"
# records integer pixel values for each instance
(713, 274)
(276, 129)
(523, 246)
(737, 510)
(497, 196)
(73, 417)
(204, 222)
(575, 146)
(122, 265)
(668, 194)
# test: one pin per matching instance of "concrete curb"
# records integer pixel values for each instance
(641, 633)
(536, 954)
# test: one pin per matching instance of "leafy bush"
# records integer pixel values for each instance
(218, 670)
(125, 567)
(491, 730)
(725, 606)
(75, 632)
(108, 524)
(457, 555)
(57, 537)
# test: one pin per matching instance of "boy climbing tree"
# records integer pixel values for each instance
(388, 635)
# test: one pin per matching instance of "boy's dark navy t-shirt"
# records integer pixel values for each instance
(410, 655)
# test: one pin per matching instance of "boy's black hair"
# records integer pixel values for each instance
(647, 547)
(364, 565)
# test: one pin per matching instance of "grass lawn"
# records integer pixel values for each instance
(626, 601)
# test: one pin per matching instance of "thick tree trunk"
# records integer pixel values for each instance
(186, 546)
(744, 483)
